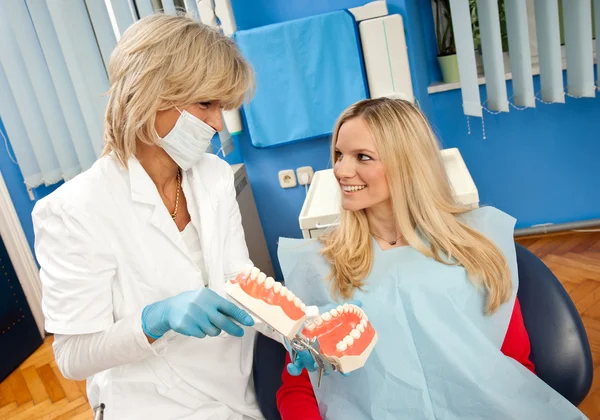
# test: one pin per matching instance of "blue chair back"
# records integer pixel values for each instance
(560, 349)
(269, 361)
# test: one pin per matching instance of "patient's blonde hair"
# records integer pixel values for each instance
(164, 61)
(423, 204)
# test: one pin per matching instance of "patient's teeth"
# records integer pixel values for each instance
(269, 282)
(355, 334)
(334, 313)
(326, 317)
(341, 346)
(254, 273)
(276, 287)
(360, 328)
(348, 340)
(340, 309)
(261, 278)
(289, 295)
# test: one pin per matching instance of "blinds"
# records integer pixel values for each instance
(53, 79)
(577, 20)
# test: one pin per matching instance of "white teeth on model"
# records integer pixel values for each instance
(261, 278)
(341, 346)
(351, 188)
(348, 340)
(360, 328)
(318, 322)
(297, 301)
(276, 287)
(363, 322)
(303, 307)
(310, 326)
(346, 307)
(340, 309)
(269, 282)
(355, 334)
(247, 271)
(326, 317)
(254, 273)
(289, 295)
(333, 313)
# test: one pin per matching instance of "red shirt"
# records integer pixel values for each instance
(296, 399)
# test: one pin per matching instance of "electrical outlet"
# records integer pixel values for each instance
(287, 178)
(305, 175)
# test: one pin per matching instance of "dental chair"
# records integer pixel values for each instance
(269, 361)
(560, 349)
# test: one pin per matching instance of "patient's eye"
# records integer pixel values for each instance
(204, 105)
(363, 157)
(338, 155)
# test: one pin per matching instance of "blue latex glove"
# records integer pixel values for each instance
(304, 359)
(196, 313)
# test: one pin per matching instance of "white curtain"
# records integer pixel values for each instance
(53, 79)
(577, 24)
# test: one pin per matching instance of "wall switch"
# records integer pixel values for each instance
(305, 175)
(287, 178)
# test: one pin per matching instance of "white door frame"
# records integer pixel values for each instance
(20, 255)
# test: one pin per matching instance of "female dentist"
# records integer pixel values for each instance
(134, 252)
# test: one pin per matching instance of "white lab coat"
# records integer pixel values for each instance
(108, 247)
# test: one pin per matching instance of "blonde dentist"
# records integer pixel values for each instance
(134, 253)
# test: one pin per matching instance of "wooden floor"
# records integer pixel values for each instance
(37, 390)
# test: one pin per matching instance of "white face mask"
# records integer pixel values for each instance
(189, 139)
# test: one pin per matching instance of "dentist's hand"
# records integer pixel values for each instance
(304, 359)
(196, 313)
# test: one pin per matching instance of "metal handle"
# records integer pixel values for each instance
(99, 411)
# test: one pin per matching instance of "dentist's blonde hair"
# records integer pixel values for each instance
(164, 61)
(425, 210)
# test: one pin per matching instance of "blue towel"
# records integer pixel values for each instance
(307, 72)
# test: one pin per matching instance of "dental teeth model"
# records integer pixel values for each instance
(342, 338)
(346, 337)
(268, 300)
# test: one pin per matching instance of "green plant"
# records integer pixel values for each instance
(443, 28)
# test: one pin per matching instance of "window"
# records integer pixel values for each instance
(439, 6)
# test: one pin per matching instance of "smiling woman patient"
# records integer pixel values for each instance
(437, 280)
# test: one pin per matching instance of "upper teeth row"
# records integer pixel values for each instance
(353, 187)
(255, 274)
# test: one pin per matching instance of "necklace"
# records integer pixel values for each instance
(389, 242)
(174, 214)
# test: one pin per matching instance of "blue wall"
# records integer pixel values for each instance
(541, 165)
